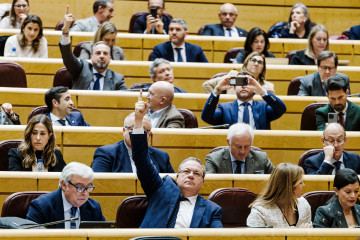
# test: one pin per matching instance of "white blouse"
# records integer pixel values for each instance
(26, 51)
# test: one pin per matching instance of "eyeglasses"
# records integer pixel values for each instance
(81, 189)
(260, 62)
(333, 141)
(132, 128)
(324, 68)
(21, 6)
(188, 171)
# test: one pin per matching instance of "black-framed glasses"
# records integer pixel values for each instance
(333, 141)
(260, 62)
(324, 68)
(81, 189)
(21, 6)
(132, 128)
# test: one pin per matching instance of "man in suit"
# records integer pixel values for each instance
(147, 24)
(59, 103)
(258, 114)
(333, 157)
(71, 200)
(314, 84)
(103, 11)
(239, 157)
(172, 204)
(177, 50)
(117, 157)
(162, 113)
(85, 75)
(8, 116)
(227, 15)
(355, 33)
(339, 108)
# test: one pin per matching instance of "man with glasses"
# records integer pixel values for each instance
(172, 204)
(148, 24)
(117, 157)
(333, 157)
(258, 114)
(71, 200)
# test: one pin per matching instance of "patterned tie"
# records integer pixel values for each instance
(97, 81)
(246, 117)
(179, 57)
(172, 220)
(341, 119)
(229, 31)
(337, 165)
(62, 122)
(72, 215)
(238, 166)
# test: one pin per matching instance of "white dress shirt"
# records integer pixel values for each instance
(155, 116)
(101, 80)
(333, 161)
(55, 122)
(234, 165)
(241, 113)
(234, 32)
(67, 212)
(133, 167)
(186, 211)
(182, 51)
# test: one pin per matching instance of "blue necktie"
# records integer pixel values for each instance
(229, 31)
(246, 115)
(238, 166)
(97, 81)
(179, 57)
(62, 122)
(337, 165)
(72, 215)
(172, 220)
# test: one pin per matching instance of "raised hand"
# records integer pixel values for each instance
(141, 108)
(68, 20)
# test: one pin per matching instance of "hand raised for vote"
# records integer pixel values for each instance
(141, 108)
(68, 20)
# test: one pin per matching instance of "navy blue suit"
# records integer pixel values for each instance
(49, 207)
(140, 23)
(162, 193)
(355, 33)
(315, 164)
(115, 158)
(218, 30)
(194, 53)
(227, 113)
(75, 119)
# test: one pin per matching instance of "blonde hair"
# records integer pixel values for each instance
(310, 48)
(104, 28)
(262, 75)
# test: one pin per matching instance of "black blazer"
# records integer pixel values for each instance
(15, 161)
(218, 30)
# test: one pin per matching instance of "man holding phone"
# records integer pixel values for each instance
(258, 114)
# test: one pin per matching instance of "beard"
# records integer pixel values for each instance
(100, 65)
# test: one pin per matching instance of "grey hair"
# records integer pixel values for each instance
(75, 168)
(195, 160)
(240, 129)
(132, 115)
(98, 43)
(155, 64)
(181, 21)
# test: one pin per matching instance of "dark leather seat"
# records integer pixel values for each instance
(12, 75)
(77, 48)
(43, 110)
(291, 54)
(222, 147)
(5, 147)
(3, 40)
(308, 118)
(201, 30)
(142, 85)
(190, 118)
(17, 204)
(131, 212)
(306, 155)
(235, 205)
(60, 25)
(137, 15)
(317, 199)
(62, 78)
(294, 86)
(232, 53)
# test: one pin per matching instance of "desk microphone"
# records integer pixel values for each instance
(216, 126)
(355, 95)
(51, 223)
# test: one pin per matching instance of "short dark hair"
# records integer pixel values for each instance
(327, 54)
(344, 177)
(54, 93)
(101, 3)
(250, 38)
(163, 3)
(336, 83)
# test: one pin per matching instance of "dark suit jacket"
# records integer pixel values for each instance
(355, 33)
(115, 158)
(176, 89)
(301, 59)
(311, 84)
(227, 113)
(171, 118)
(163, 193)
(194, 53)
(74, 119)
(218, 30)
(15, 161)
(352, 119)
(82, 72)
(220, 162)
(332, 216)
(49, 207)
(315, 165)
(140, 24)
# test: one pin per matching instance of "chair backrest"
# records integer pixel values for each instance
(291, 54)
(12, 75)
(77, 48)
(317, 199)
(222, 147)
(60, 25)
(235, 205)
(306, 155)
(17, 204)
(131, 212)
(308, 119)
(201, 30)
(3, 40)
(294, 86)
(219, 75)
(5, 146)
(190, 118)
(62, 78)
(231, 54)
(139, 14)
(274, 31)
(141, 85)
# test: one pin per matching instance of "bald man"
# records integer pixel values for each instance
(161, 111)
(333, 157)
(227, 28)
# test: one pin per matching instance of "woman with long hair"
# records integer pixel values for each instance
(18, 12)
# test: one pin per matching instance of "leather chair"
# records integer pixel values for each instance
(291, 54)
(317, 199)
(306, 155)
(143, 85)
(5, 147)
(190, 118)
(77, 48)
(12, 75)
(3, 40)
(201, 30)
(60, 25)
(235, 205)
(17, 204)
(137, 15)
(222, 147)
(131, 212)
(294, 86)
(62, 78)
(308, 119)
(231, 54)
(43, 110)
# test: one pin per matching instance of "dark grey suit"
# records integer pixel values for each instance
(89, 24)
(220, 162)
(82, 72)
(116, 54)
(171, 118)
(311, 84)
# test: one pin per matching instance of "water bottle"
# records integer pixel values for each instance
(13, 52)
(40, 165)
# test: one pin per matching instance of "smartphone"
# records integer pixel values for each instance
(153, 12)
(239, 81)
(332, 118)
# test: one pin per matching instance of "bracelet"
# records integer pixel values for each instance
(65, 33)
